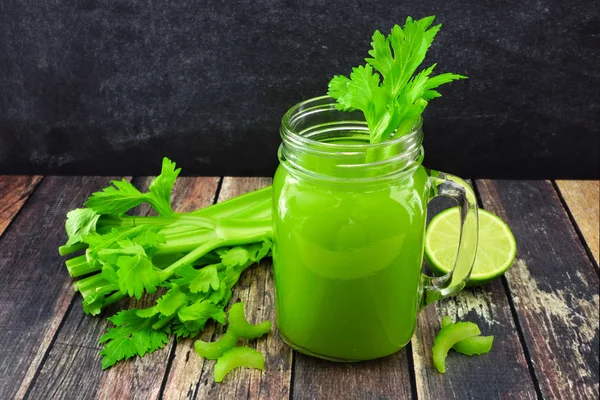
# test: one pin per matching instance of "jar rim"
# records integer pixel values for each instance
(289, 130)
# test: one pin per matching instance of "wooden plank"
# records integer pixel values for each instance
(14, 191)
(583, 200)
(73, 364)
(553, 285)
(192, 377)
(35, 290)
(501, 373)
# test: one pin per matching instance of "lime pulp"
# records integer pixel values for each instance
(495, 252)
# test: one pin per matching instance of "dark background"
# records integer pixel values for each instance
(110, 87)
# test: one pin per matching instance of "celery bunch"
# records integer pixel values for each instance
(196, 257)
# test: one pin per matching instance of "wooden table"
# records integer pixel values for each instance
(543, 312)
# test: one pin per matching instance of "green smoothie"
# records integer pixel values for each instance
(347, 264)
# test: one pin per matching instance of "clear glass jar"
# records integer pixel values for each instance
(349, 222)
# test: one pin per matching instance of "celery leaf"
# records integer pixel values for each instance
(116, 200)
(161, 187)
(171, 301)
(80, 223)
(205, 280)
(393, 105)
(136, 274)
(132, 335)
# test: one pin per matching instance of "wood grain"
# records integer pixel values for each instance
(583, 200)
(35, 290)
(501, 373)
(384, 378)
(76, 347)
(553, 285)
(14, 191)
(191, 376)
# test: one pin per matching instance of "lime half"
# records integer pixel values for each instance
(495, 253)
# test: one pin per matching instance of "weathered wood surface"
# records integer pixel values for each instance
(191, 376)
(76, 346)
(501, 373)
(385, 378)
(583, 201)
(14, 191)
(553, 285)
(35, 289)
(544, 313)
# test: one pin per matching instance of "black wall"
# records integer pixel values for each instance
(109, 87)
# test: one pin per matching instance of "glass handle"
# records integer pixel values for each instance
(443, 184)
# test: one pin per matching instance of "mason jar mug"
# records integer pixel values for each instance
(349, 224)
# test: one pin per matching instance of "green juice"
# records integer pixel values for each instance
(347, 264)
